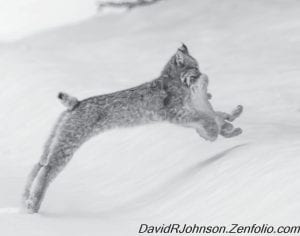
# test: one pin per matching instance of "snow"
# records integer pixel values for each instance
(158, 173)
(19, 18)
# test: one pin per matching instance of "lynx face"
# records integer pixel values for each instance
(190, 75)
(182, 65)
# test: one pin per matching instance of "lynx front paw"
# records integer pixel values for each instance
(233, 133)
(236, 113)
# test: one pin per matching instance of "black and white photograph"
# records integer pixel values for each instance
(149, 117)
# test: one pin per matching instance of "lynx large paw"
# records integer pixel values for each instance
(234, 132)
(233, 115)
(236, 113)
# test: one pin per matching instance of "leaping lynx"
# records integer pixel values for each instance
(179, 95)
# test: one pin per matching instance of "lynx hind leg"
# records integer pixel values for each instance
(43, 160)
(43, 180)
(32, 204)
(30, 179)
(71, 134)
(58, 159)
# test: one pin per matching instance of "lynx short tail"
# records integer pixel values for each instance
(69, 101)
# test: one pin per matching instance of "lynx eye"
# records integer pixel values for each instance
(193, 79)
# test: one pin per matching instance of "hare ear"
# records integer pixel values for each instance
(184, 49)
(179, 58)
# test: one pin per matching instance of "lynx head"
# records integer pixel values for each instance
(182, 78)
(182, 66)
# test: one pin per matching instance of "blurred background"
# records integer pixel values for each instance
(20, 18)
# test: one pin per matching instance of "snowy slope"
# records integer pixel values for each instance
(158, 173)
(22, 17)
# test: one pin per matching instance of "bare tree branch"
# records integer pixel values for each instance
(127, 5)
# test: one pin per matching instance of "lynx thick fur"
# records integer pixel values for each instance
(179, 95)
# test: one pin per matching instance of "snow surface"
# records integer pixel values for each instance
(22, 17)
(158, 173)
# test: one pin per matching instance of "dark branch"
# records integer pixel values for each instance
(127, 5)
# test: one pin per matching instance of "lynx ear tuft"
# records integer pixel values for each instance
(179, 58)
(184, 49)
